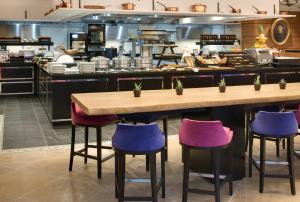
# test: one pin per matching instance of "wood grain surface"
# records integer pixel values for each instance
(164, 100)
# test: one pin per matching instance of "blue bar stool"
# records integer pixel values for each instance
(138, 140)
(268, 126)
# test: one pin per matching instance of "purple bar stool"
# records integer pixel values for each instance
(205, 135)
(297, 114)
(272, 125)
(79, 118)
(138, 140)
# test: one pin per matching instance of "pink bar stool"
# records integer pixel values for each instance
(205, 135)
(79, 118)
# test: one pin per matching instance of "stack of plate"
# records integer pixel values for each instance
(58, 69)
(87, 67)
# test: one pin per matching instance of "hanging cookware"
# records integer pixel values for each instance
(235, 10)
(199, 8)
(128, 6)
(172, 9)
(95, 6)
(259, 11)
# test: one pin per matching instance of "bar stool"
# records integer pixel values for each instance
(79, 118)
(206, 135)
(138, 140)
(249, 117)
(297, 114)
(147, 118)
(268, 125)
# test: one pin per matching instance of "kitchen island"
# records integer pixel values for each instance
(55, 89)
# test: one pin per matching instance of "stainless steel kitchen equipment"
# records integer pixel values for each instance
(262, 56)
(101, 63)
(143, 62)
(122, 62)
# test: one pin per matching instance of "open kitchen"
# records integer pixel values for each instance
(199, 88)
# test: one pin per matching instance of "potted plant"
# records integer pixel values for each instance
(257, 83)
(282, 84)
(222, 85)
(137, 90)
(179, 87)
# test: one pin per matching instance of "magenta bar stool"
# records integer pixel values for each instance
(268, 126)
(79, 118)
(205, 135)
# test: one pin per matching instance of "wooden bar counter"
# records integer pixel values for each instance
(165, 100)
(229, 107)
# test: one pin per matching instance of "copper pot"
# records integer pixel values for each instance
(128, 6)
(235, 10)
(260, 11)
(172, 9)
(199, 8)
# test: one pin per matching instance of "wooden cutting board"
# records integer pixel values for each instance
(94, 7)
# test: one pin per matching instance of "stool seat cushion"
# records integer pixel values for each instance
(204, 134)
(80, 118)
(138, 138)
(142, 117)
(275, 124)
(297, 114)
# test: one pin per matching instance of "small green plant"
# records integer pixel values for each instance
(137, 87)
(179, 84)
(257, 80)
(282, 81)
(222, 82)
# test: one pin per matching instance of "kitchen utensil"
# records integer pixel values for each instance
(143, 62)
(172, 9)
(95, 6)
(128, 6)
(200, 8)
(235, 10)
(259, 11)
(121, 62)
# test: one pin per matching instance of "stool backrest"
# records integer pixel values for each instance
(275, 124)
(138, 138)
(203, 133)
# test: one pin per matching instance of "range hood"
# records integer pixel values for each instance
(118, 16)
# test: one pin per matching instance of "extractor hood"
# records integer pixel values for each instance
(70, 15)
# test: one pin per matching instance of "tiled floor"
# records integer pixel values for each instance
(41, 175)
(26, 125)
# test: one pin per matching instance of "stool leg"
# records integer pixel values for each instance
(163, 175)
(216, 174)
(86, 142)
(72, 147)
(116, 174)
(290, 156)
(231, 171)
(186, 173)
(277, 147)
(250, 154)
(165, 126)
(247, 121)
(262, 164)
(283, 143)
(147, 163)
(121, 176)
(152, 158)
(99, 151)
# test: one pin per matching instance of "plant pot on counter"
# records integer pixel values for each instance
(179, 91)
(257, 87)
(282, 85)
(222, 88)
(137, 93)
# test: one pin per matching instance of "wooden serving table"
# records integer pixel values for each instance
(228, 107)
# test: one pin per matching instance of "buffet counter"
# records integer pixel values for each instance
(55, 89)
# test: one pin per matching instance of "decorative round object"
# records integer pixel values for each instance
(280, 31)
